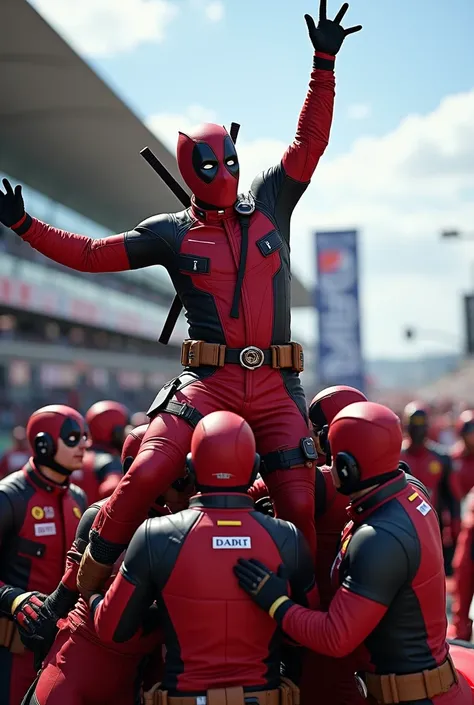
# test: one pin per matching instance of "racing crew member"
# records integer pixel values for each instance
(209, 649)
(14, 458)
(239, 355)
(432, 465)
(463, 573)
(39, 514)
(66, 675)
(102, 470)
(391, 597)
(462, 454)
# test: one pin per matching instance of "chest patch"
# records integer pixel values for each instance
(434, 467)
(231, 542)
(424, 508)
(48, 529)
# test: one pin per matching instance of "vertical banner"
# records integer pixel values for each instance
(339, 348)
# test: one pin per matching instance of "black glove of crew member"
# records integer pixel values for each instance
(267, 590)
(12, 207)
(264, 505)
(328, 36)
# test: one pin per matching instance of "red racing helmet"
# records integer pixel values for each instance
(223, 454)
(209, 164)
(49, 424)
(323, 408)
(366, 441)
(107, 421)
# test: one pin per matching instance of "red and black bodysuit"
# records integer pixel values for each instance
(213, 637)
(38, 521)
(230, 266)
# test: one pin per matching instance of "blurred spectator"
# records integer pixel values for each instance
(17, 455)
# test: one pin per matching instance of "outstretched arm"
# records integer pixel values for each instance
(280, 188)
(144, 246)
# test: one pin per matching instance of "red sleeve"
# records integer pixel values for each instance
(314, 125)
(84, 254)
(107, 487)
(463, 565)
(258, 490)
(338, 632)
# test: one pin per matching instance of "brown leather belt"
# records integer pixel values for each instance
(391, 689)
(10, 636)
(198, 353)
(287, 694)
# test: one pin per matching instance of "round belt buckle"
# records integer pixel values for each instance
(251, 357)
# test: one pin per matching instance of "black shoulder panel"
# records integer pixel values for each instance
(18, 491)
(79, 496)
(87, 519)
(166, 537)
(156, 240)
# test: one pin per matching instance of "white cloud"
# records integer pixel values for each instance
(400, 190)
(215, 11)
(102, 28)
(359, 111)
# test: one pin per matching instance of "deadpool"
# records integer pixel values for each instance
(218, 645)
(228, 257)
(66, 676)
(462, 454)
(102, 470)
(432, 465)
(39, 515)
(391, 596)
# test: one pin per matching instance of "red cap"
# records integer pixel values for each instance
(133, 442)
(371, 433)
(103, 418)
(50, 419)
(223, 451)
(329, 402)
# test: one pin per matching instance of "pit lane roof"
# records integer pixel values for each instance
(65, 133)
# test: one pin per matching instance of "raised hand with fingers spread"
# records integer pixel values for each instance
(328, 36)
(12, 208)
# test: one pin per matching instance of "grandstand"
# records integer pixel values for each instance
(74, 145)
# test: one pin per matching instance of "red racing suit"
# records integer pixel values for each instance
(391, 596)
(463, 468)
(214, 638)
(13, 460)
(463, 565)
(38, 521)
(201, 251)
(67, 675)
(100, 474)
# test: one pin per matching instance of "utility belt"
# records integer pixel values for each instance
(10, 636)
(198, 353)
(391, 689)
(286, 694)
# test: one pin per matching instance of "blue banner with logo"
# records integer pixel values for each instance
(340, 358)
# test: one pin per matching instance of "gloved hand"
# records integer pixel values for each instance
(36, 622)
(264, 505)
(267, 590)
(328, 36)
(12, 207)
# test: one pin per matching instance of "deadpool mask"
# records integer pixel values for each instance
(209, 165)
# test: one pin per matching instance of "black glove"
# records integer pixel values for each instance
(37, 626)
(267, 590)
(264, 505)
(12, 207)
(328, 36)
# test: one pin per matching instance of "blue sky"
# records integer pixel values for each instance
(400, 164)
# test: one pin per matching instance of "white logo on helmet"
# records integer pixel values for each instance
(222, 475)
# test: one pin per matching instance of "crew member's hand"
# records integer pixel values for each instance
(328, 36)
(12, 207)
(264, 505)
(265, 588)
(36, 622)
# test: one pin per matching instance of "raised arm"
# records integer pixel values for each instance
(280, 188)
(148, 244)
